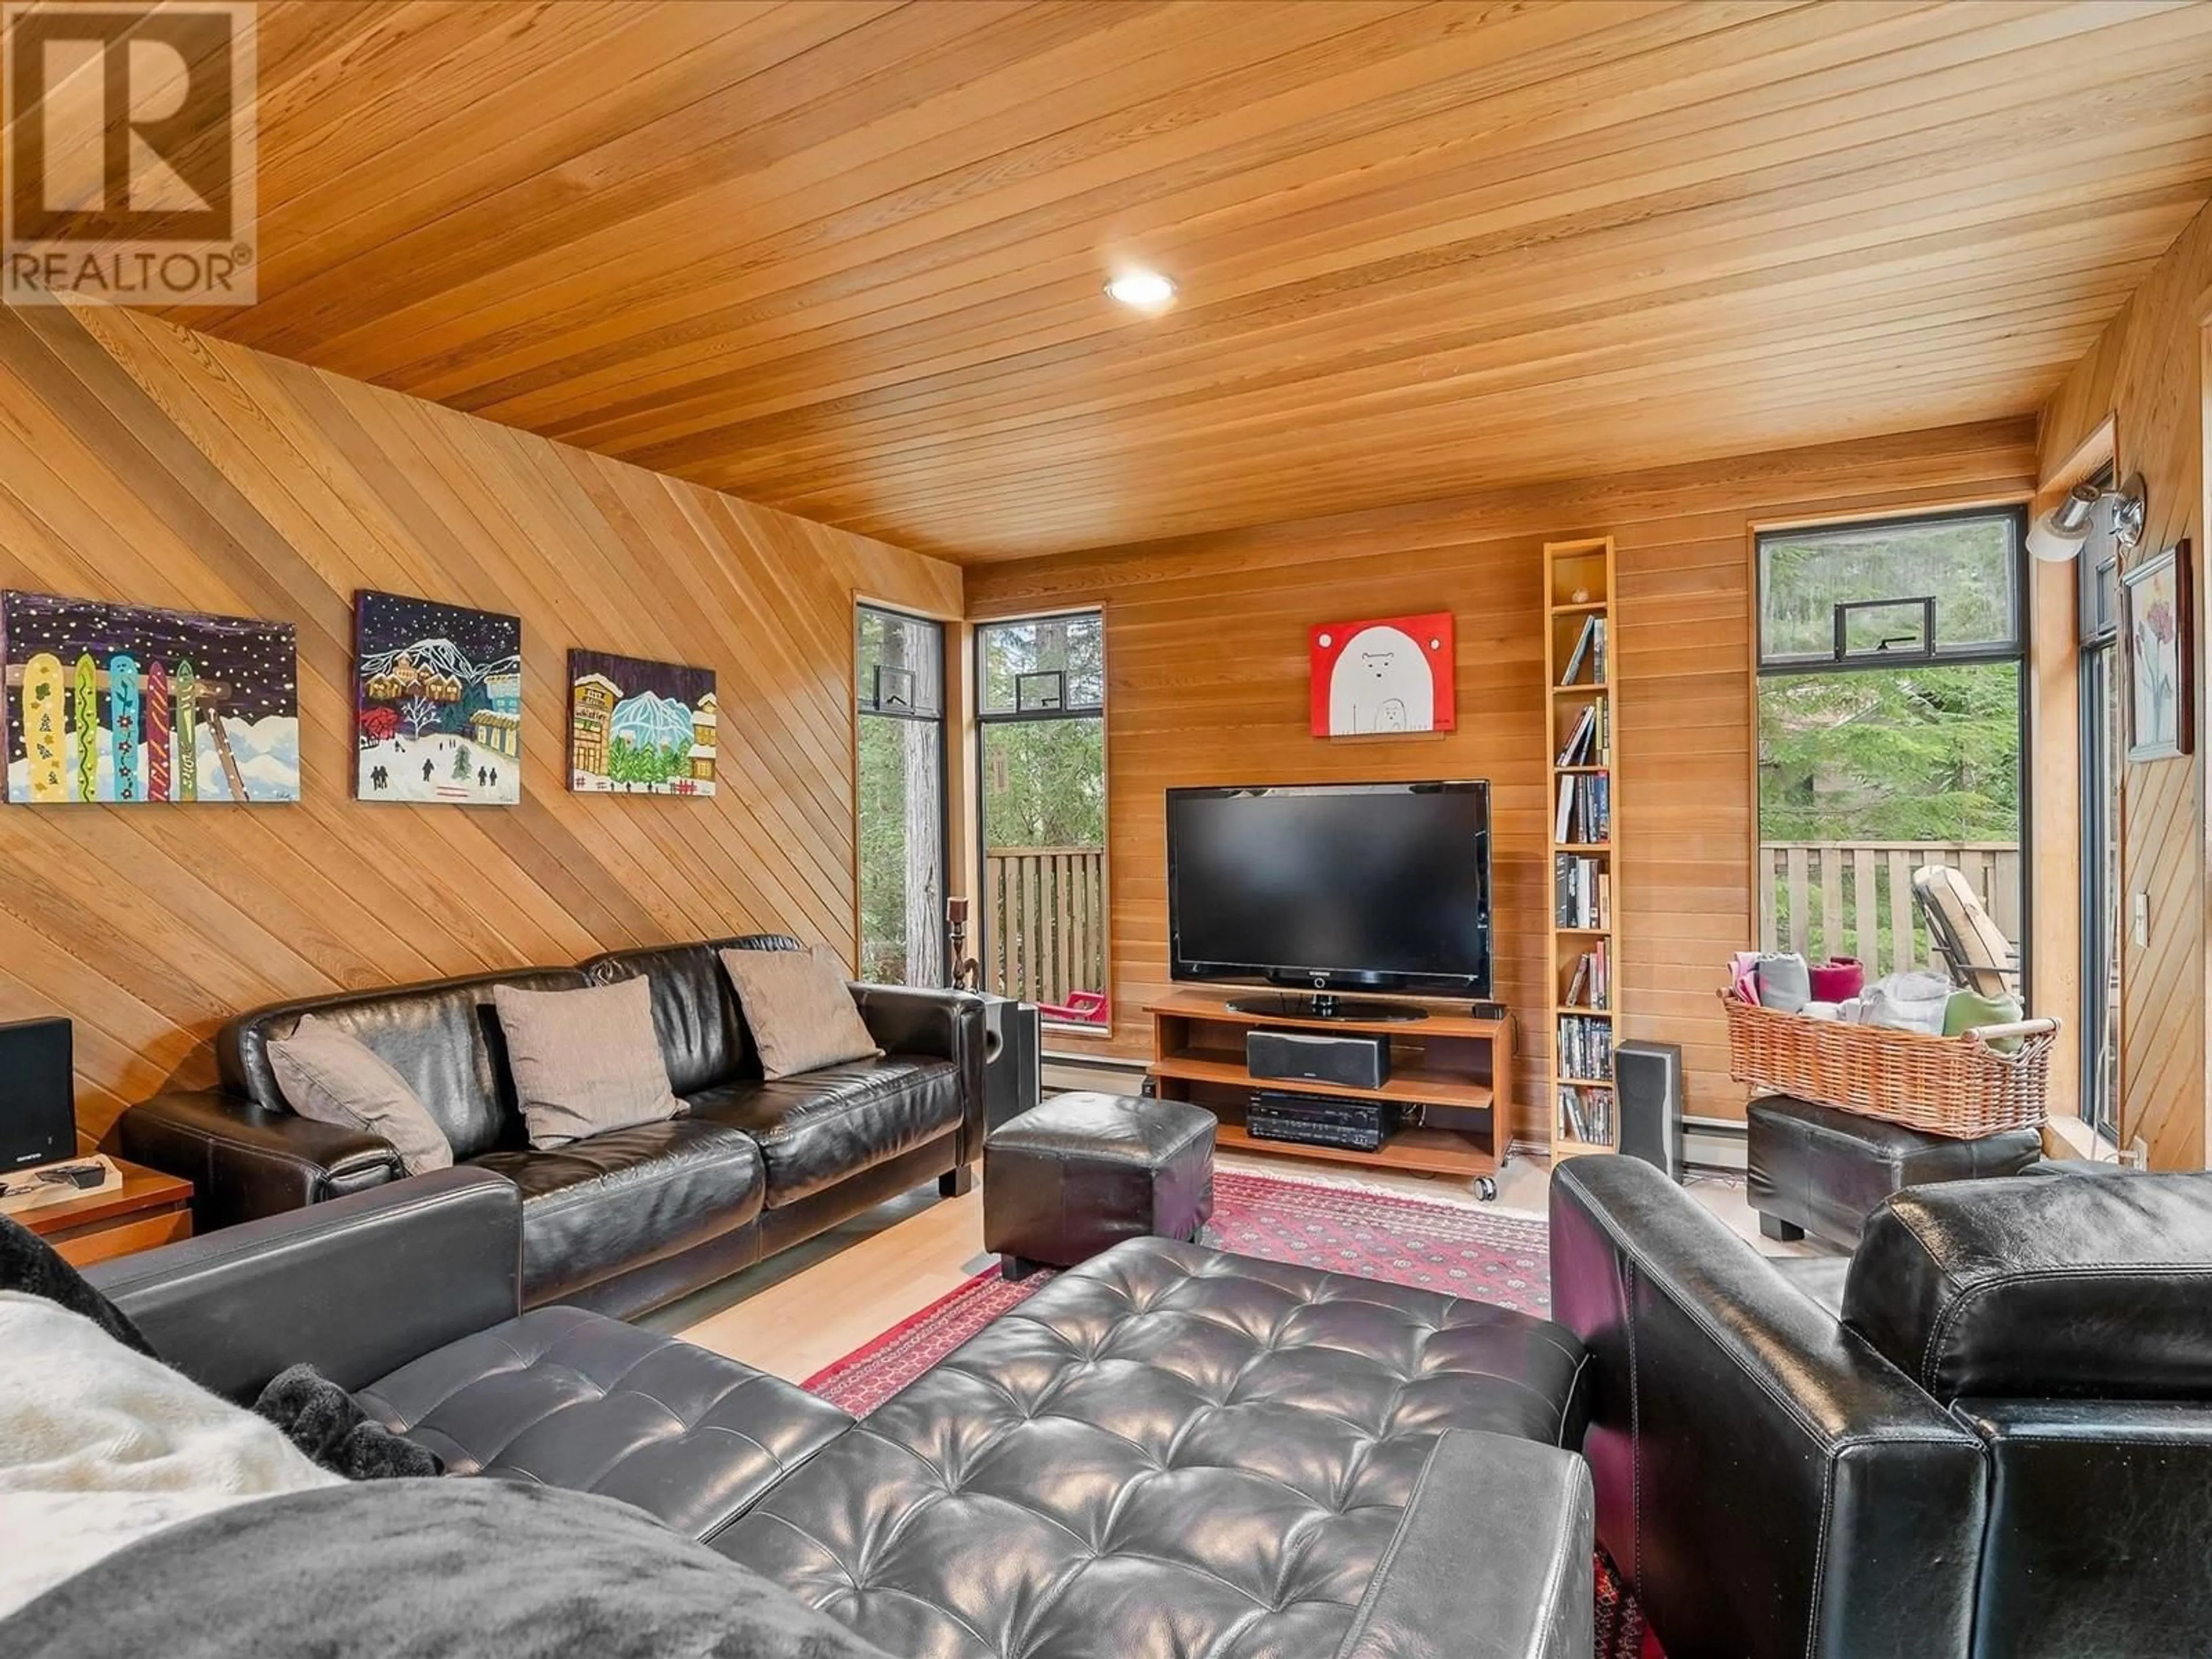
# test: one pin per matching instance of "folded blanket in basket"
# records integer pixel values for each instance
(1907, 1002)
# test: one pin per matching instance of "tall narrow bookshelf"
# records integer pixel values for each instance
(1582, 809)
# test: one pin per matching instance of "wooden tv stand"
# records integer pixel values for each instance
(1452, 1072)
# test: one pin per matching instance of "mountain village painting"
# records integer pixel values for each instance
(636, 727)
(437, 703)
(123, 704)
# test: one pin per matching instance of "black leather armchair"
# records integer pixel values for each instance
(1989, 1435)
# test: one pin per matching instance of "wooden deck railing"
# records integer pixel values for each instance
(1855, 898)
(1045, 921)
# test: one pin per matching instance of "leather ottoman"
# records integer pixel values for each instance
(1079, 1174)
(559, 1397)
(1815, 1170)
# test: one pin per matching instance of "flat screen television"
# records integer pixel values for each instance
(1330, 887)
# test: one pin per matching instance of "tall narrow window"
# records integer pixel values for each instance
(1890, 721)
(900, 677)
(1041, 726)
(2104, 742)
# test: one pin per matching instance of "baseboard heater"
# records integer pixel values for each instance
(1359, 1126)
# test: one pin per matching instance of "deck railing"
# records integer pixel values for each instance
(1855, 898)
(1045, 921)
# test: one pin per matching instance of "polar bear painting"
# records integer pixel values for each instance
(1383, 682)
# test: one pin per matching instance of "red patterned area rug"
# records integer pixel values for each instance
(1486, 1253)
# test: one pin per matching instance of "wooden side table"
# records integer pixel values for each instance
(149, 1208)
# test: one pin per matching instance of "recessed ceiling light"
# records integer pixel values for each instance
(1142, 290)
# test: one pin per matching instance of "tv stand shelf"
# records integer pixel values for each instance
(1448, 1070)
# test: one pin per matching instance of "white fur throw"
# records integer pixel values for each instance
(100, 1447)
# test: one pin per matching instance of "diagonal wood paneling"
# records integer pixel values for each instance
(139, 461)
(845, 255)
(1206, 667)
(2146, 373)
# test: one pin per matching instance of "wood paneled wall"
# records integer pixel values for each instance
(1205, 658)
(139, 462)
(2146, 373)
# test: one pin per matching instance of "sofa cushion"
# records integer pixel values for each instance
(584, 1060)
(442, 1038)
(703, 1040)
(799, 1006)
(611, 1202)
(1167, 1450)
(2020, 1288)
(818, 1128)
(564, 1398)
(333, 1078)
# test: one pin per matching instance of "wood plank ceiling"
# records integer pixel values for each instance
(845, 255)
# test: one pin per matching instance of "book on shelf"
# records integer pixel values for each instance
(1583, 813)
(1579, 739)
(1585, 1047)
(1588, 986)
(1582, 891)
(1592, 627)
(1586, 1115)
(1597, 653)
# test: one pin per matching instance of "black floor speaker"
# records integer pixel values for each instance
(1647, 1079)
(38, 1095)
(1013, 1059)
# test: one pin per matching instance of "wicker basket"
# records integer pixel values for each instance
(1957, 1086)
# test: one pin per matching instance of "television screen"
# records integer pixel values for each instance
(1381, 885)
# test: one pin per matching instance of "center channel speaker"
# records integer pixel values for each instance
(38, 1096)
(1647, 1077)
(1355, 1062)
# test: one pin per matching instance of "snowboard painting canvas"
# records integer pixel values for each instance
(127, 705)
(638, 727)
(437, 703)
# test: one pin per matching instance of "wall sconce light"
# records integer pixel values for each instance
(2057, 535)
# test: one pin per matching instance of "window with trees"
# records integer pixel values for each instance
(1891, 662)
(1041, 729)
(900, 678)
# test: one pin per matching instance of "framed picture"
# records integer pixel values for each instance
(1386, 675)
(437, 703)
(1044, 690)
(2155, 609)
(124, 705)
(640, 728)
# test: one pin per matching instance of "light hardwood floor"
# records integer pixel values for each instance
(795, 1314)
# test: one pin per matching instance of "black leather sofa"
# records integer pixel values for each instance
(624, 1221)
(1166, 1451)
(1987, 1432)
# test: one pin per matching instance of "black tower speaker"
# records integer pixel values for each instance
(1647, 1079)
(1013, 1059)
(38, 1095)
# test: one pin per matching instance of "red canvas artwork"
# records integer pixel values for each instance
(1384, 675)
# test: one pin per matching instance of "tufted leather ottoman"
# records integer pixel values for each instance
(1082, 1172)
(1814, 1169)
(1171, 1451)
(561, 1397)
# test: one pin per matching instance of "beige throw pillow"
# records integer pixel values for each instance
(333, 1077)
(799, 1009)
(585, 1061)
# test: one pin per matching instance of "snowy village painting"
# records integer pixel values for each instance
(437, 703)
(124, 704)
(643, 728)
